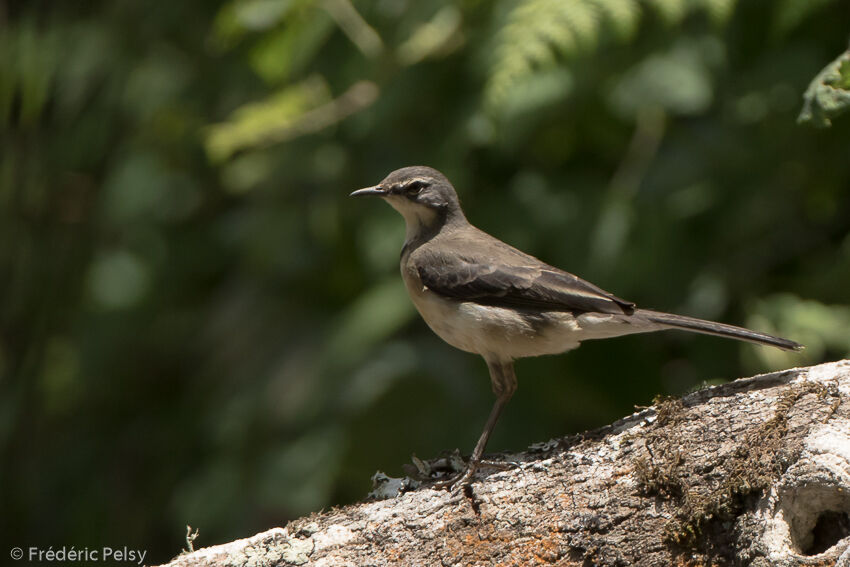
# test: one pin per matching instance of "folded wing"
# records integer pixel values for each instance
(537, 286)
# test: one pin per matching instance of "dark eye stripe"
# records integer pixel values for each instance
(415, 186)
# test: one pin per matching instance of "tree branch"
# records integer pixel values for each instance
(753, 472)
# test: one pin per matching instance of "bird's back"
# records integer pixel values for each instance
(466, 263)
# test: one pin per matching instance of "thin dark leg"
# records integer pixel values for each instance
(504, 385)
(501, 401)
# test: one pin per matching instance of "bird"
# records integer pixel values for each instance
(486, 297)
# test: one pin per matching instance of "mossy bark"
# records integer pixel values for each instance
(753, 472)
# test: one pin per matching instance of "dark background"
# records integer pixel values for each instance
(197, 326)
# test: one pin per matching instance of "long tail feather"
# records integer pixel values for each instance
(719, 329)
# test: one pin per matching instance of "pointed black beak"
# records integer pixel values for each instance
(374, 190)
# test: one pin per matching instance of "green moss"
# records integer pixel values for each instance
(762, 456)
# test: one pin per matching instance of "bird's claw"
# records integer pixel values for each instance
(464, 476)
(458, 481)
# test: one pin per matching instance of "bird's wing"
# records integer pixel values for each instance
(516, 285)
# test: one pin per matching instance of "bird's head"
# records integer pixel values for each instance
(423, 196)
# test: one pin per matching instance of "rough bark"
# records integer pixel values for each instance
(753, 472)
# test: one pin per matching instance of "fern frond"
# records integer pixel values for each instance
(622, 17)
(671, 11)
(582, 17)
(538, 34)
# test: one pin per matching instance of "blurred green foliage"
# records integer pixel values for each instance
(197, 326)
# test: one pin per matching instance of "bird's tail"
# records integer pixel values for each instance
(719, 329)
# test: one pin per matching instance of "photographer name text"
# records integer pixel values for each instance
(73, 554)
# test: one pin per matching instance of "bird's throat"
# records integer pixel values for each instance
(418, 220)
(419, 223)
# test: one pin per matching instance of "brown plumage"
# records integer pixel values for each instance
(484, 296)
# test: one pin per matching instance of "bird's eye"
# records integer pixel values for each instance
(414, 187)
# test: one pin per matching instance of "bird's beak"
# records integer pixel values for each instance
(374, 190)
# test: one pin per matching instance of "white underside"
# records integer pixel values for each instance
(503, 334)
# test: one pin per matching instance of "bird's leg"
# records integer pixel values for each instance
(503, 395)
(503, 379)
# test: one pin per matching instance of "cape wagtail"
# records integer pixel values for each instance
(486, 297)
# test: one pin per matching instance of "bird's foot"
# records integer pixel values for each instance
(466, 471)
(459, 480)
(451, 471)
